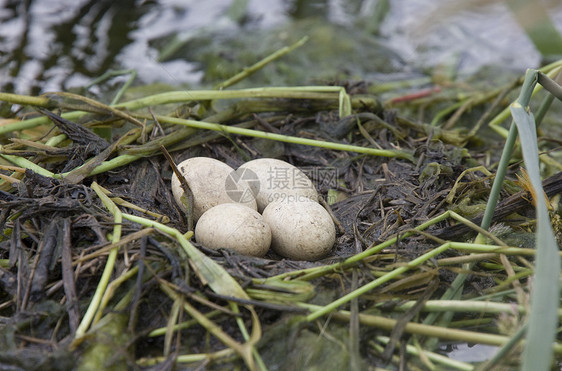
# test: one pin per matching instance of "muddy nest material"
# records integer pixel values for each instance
(60, 235)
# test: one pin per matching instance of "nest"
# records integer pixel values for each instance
(99, 269)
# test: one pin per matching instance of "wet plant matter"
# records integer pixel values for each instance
(99, 269)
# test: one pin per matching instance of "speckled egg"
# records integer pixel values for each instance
(300, 230)
(236, 227)
(211, 182)
(276, 180)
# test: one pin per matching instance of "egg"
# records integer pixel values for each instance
(300, 230)
(236, 227)
(276, 180)
(211, 182)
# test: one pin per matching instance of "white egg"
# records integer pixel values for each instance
(211, 182)
(300, 230)
(234, 226)
(275, 180)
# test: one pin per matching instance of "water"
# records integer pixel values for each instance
(48, 45)
(472, 353)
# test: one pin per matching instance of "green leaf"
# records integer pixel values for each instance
(210, 272)
(543, 320)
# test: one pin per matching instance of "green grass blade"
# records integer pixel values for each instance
(210, 272)
(283, 138)
(94, 306)
(25, 163)
(543, 320)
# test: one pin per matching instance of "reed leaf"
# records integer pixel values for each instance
(545, 298)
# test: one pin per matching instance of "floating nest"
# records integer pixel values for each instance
(99, 270)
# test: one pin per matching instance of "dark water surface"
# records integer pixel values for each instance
(48, 45)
